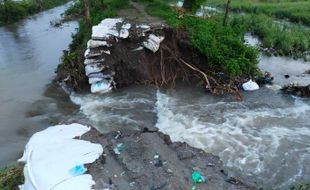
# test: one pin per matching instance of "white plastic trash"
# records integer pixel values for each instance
(250, 86)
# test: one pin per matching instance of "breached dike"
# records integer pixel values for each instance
(52, 154)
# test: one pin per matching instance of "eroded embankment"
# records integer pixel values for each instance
(121, 53)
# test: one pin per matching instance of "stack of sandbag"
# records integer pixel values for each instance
(104, 35)
(100, 76)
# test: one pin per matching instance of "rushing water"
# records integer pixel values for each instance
(265, 138)
(29, 53)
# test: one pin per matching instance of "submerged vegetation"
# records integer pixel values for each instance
(11, 177)
(280, 37)
(293, 41)
(12, 11)
(293, 10)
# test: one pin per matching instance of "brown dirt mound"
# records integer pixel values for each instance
(175, 60)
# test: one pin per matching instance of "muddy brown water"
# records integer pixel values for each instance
(265, 139)
(30, 51)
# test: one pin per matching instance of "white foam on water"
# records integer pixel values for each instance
(252, 140)
(107, 110)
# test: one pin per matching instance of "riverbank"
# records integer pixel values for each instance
(281, 26)
(221, 71)
(13, 11)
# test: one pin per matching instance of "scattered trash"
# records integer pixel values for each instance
(157, 160)
(78, 170)
(119, 148)
(153, 42)
(123, 173)
(230, 178)
(110, 181)
(138, 48)
(197, 178)
(250, 86)
(179, 4)
(210, 164)
(131, 184)
(119, 135)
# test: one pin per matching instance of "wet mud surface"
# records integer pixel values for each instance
(136, 167)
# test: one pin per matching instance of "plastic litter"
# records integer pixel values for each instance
(153, 42)
(157, 160)
(197, 178)
(78, 170)
(250, 86)
(119, 148)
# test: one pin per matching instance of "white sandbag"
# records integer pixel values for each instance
(97, 43)
(96, 75)
(52, 153)
(250, 86)
(93, 61)
(107, 29)
(93, 68)
(94, 80)
(124, 33)
(101, 87)
(153, 42)
(86, 53)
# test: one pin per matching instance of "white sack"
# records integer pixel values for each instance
(250, 86)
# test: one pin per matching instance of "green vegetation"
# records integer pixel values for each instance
(11, 177)
(301, 186)
(294, 10)
(262, 19)
(290, 41)
(223, 46)
(11, 11)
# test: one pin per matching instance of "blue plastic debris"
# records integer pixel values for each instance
(78, 170)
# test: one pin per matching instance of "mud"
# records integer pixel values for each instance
(135, 167)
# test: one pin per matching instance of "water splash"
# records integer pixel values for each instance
(262, 141)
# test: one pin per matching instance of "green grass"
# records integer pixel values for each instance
(223, 46)
(11, 177)
(297, 11)
(290, 41)
(12, 11)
